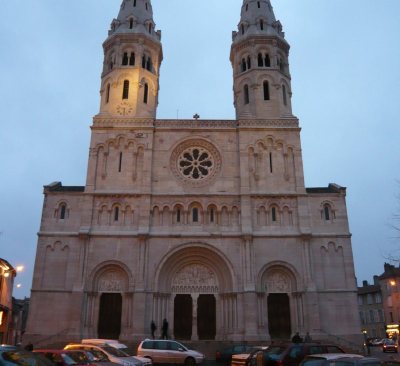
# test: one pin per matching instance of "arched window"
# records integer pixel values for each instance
(248, 62)
(147, 8)
(108, 93)
(150, 28)
(144, 62)
(134, 2)
(327, 212)
(247, 7)
(149, 64)
(125, 92)
(284, 96)
(116, 213)
(146, 93)
(242, 27)
(267, 61)
(63, 211)
(130, 23)
(212, 215)
(178, 215)
(261, 24)
(120, 163)
(195, 214)
(132, 59)
(246, 94)
(274, 216)
(125, 59)
(258, 4)
(244, 67)
(260, 60)
(266, 90)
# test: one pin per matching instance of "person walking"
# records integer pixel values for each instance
(153, 329)
(164, 334)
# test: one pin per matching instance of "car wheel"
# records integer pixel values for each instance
(190, 362)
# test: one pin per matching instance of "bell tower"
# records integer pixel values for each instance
(259, 57)
(132, 60)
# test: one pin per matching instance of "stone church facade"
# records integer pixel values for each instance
(206, 223)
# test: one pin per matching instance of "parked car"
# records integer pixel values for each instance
(225, 356)
(285, 355)
(377, 342)
(169, 351)
(389, 345)
(340, 359)
(13, 356)
(98, 358)
(113, 354)
(65, 357)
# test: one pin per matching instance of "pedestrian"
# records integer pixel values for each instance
(153, 328)
(164, 334)
(307, 338)
(29, 347)
(296, 338)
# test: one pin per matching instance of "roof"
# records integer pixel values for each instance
(368, 289)
(332, 188)
(58, 187)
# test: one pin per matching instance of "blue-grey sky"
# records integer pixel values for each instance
(345, 66)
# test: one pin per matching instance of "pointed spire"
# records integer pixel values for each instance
(135, 16)
(258, 18)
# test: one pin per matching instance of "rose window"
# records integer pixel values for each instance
(195, 163)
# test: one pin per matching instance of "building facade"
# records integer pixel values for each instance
(205, 223)
(7, 275)
(370, 306)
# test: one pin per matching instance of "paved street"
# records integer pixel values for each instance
(377, 352)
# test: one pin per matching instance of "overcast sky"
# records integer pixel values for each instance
(344, 60)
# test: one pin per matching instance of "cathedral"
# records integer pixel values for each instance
(205, 223)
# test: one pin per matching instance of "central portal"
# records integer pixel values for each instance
(110, 316)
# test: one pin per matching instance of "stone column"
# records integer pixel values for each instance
(195, 335)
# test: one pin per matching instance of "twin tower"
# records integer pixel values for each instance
(133, 56)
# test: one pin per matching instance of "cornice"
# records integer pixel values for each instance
(100, 122)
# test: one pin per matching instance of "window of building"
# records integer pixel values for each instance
(261, 24)
(146, 93)
(247, 7)
(242, 27)
(266, 90)
(108, 93)
(244, 67)
(195, 214)
(270, 163)
(258, 4)
(178, 215)
(130, 23)
(267, 61)
(327, 212)
(246, 94)
(144, 62)
(125, 59)
(212, 215)
(248, 62)
(120, 163)
(360, 300)
(372, 316)
(362, 318)
(380, 315)
(134, 2)
(147, 7)
(132, 59)
(125, 92)
(378, 298)
(370, 299)
(284, 96)
(63, 211)
(116, 213)
(149, 65)
(273, 214)
(260, 61)
(150, 28)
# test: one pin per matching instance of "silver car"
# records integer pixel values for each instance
(114, 355)
(168, 351)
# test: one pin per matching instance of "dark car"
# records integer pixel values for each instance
(225, 356)
(14, 356)
(336, 359)
(286, 354)
(389, 345)
(64, 357)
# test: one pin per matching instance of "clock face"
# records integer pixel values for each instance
(125, 109)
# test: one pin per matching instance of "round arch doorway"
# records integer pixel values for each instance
(196, 276)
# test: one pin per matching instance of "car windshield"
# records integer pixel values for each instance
(96, 356)
(74, 358)
(274, 353)
(23, 358)
(115, 351)
(389, 341)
